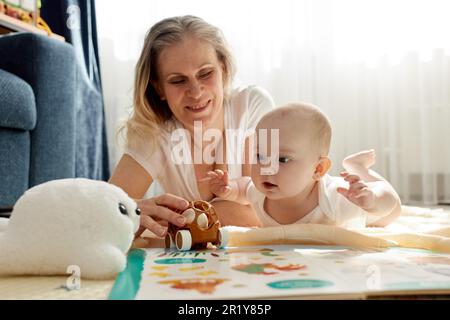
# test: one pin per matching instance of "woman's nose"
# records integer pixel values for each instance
(195, 89)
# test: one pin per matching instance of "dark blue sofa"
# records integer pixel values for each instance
(37, 113)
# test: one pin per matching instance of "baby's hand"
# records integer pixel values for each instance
(218, 183)
(358, 192)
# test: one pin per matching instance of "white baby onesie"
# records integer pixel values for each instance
(333, 208)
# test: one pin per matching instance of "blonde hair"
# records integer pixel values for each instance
(310, 119)
(149, 111)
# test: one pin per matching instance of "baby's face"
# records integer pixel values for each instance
(295, 160)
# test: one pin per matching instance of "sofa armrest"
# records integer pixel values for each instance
(49, 67)
(17, 105)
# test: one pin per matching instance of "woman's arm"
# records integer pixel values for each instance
(131, 177)
(135, 181)
(233, 213)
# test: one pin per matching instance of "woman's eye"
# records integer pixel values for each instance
(206, 74)
(176, 81)
(284, 159)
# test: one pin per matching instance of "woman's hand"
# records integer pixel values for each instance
(157, 212)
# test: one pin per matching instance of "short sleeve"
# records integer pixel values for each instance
(149, 158)
(260, 102)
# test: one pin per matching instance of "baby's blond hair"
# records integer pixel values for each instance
(309, 119)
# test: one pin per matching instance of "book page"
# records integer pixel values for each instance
(291, 271)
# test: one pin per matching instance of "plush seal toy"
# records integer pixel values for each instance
(69, 223)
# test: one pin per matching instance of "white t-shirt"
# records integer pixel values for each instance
(242, 113)
(333, 209)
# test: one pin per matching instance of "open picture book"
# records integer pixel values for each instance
(410, 257)
(285, 272)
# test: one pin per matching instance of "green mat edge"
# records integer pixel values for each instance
(127, 282)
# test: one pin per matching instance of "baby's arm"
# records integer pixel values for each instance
(377, 197)
(234, 190)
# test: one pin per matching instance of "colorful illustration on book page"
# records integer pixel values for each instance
(250, 272)
(203, 286)
(305, 271)
(261, 268)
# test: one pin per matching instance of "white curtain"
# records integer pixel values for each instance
(380, 69)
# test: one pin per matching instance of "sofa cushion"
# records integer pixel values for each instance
(14, 165)
(50, 67)
(17, 103)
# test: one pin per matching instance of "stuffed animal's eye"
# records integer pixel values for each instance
(138, 211)
(123, 209)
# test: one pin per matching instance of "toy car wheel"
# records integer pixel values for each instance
(183, 240)
(169, 241)
(223, 238)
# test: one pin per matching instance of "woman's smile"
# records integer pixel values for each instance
(198, 108)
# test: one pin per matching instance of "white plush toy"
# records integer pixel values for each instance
(69, 223)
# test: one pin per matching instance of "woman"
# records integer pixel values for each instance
(183, 89)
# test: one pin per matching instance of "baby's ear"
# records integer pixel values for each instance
(322, 167)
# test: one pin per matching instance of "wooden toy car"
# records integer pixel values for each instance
(202, 227)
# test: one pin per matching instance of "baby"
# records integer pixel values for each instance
(300, 190)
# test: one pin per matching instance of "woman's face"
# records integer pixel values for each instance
(190, 79)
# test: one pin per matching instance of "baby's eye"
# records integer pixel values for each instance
(284, 159)
(123, 209)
